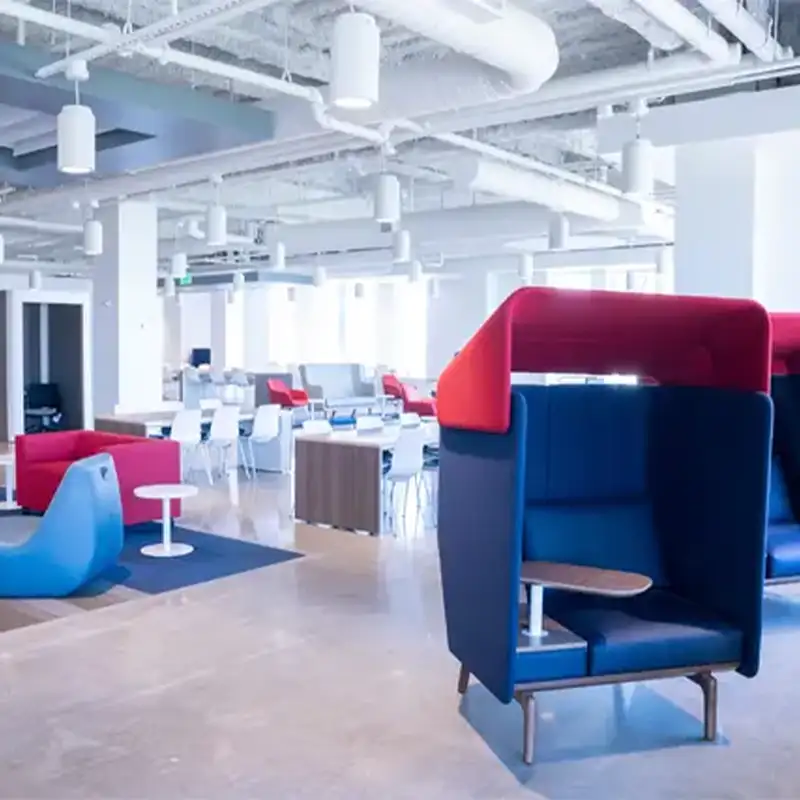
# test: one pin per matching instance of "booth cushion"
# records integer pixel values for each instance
(656, 630)
(779, 509)
(783, 550)
(605, 535)
(550, 665)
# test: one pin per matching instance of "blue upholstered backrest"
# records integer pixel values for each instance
(586, 488)
(666, 481)
(779, 508)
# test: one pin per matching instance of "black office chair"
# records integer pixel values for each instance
(42, 408)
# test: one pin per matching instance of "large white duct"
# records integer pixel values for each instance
(746, 28)
(492, 177)
(514, 42)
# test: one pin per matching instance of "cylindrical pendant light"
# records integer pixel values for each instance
(2, 248)
(217, 226)
(402, 247)
(169, 287)
(291, 294)
(355, 61)
(525, 269)
(278, 256)
(180, 266)
(638, 171)
(358, 291)
(558, 233)
(35, 280)
(387, 198)
(415, 272)
(76, 131)
(320, 276)
(230, 296)
(92, 237)
(436, 288)
(238, 281)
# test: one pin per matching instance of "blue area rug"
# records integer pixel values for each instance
(213, 557)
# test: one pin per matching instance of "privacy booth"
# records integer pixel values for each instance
(594, 534)
(783, 530)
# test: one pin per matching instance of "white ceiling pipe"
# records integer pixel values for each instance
(694, 31)
(515, 42)
(194, 18)
(483, 175)
(733, 15)
(628, 13)
(19, 223)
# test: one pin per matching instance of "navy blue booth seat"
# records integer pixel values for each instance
(783, 530)
(661, 485)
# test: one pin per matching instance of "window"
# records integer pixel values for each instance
(359, 322)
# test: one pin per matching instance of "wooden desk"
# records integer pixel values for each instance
(150, 423)
(338, 477)
(538, 575)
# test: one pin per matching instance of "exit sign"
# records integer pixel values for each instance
(186, 280)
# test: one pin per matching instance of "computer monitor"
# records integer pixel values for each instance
(200, 356)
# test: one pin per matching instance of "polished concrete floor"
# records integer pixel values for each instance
(328, 677)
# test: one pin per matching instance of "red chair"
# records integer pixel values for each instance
(280, 394)
(42, 459)
(412, 400)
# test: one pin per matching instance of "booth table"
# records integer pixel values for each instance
(338, 478)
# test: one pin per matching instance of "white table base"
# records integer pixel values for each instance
(535, 627)
(166, 548)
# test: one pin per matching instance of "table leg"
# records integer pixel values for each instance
(167, 548)
(535, 610)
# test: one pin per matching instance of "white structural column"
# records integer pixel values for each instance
(128, 317)
(174, 354)
(736, 232)
(227, 329)
(461, 307)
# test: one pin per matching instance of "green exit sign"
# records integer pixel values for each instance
(186, 280)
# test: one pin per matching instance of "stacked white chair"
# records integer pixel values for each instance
(408, 461)
(409, 419)
(186, 431)
(266, 428)
(224, 441)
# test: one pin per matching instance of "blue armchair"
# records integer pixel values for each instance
(79, 537)
(666, 481)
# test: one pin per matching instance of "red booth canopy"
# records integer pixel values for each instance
(677, 341)
(785, 344)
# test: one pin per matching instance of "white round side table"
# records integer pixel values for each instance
(166, 492)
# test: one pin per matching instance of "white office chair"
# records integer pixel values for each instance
(369, 424)
(409, 419)
(223, 437)
(266, 427)
(320, 426)
(408, 461)
(210, 403)
(187, 432)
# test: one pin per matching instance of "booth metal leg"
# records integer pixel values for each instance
(708, 683)
(463, 680)
(528, 703)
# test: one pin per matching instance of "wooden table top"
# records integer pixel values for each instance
(383, 439)
(166, 418)
(585, 580)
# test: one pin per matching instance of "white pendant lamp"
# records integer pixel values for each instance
(415, 272)
(402, 247)
(2, 248)
(76, 128)
(525, 269)
(320, 276)
(387, 199)
(291, 294)
(278, 256)
(217, 226)
(435, 288)
(355, 62)
(358, 291)
(238, 281)
(179, 268)
(92, 237)
(35, 280)
(558, 233)
(638, 169)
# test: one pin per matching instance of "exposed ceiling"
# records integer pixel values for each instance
(325, 176)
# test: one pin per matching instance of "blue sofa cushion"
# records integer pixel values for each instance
(783, 550)
(656, 630)
(779, 508)
(608, 535)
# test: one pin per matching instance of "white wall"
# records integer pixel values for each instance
(195, 321)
